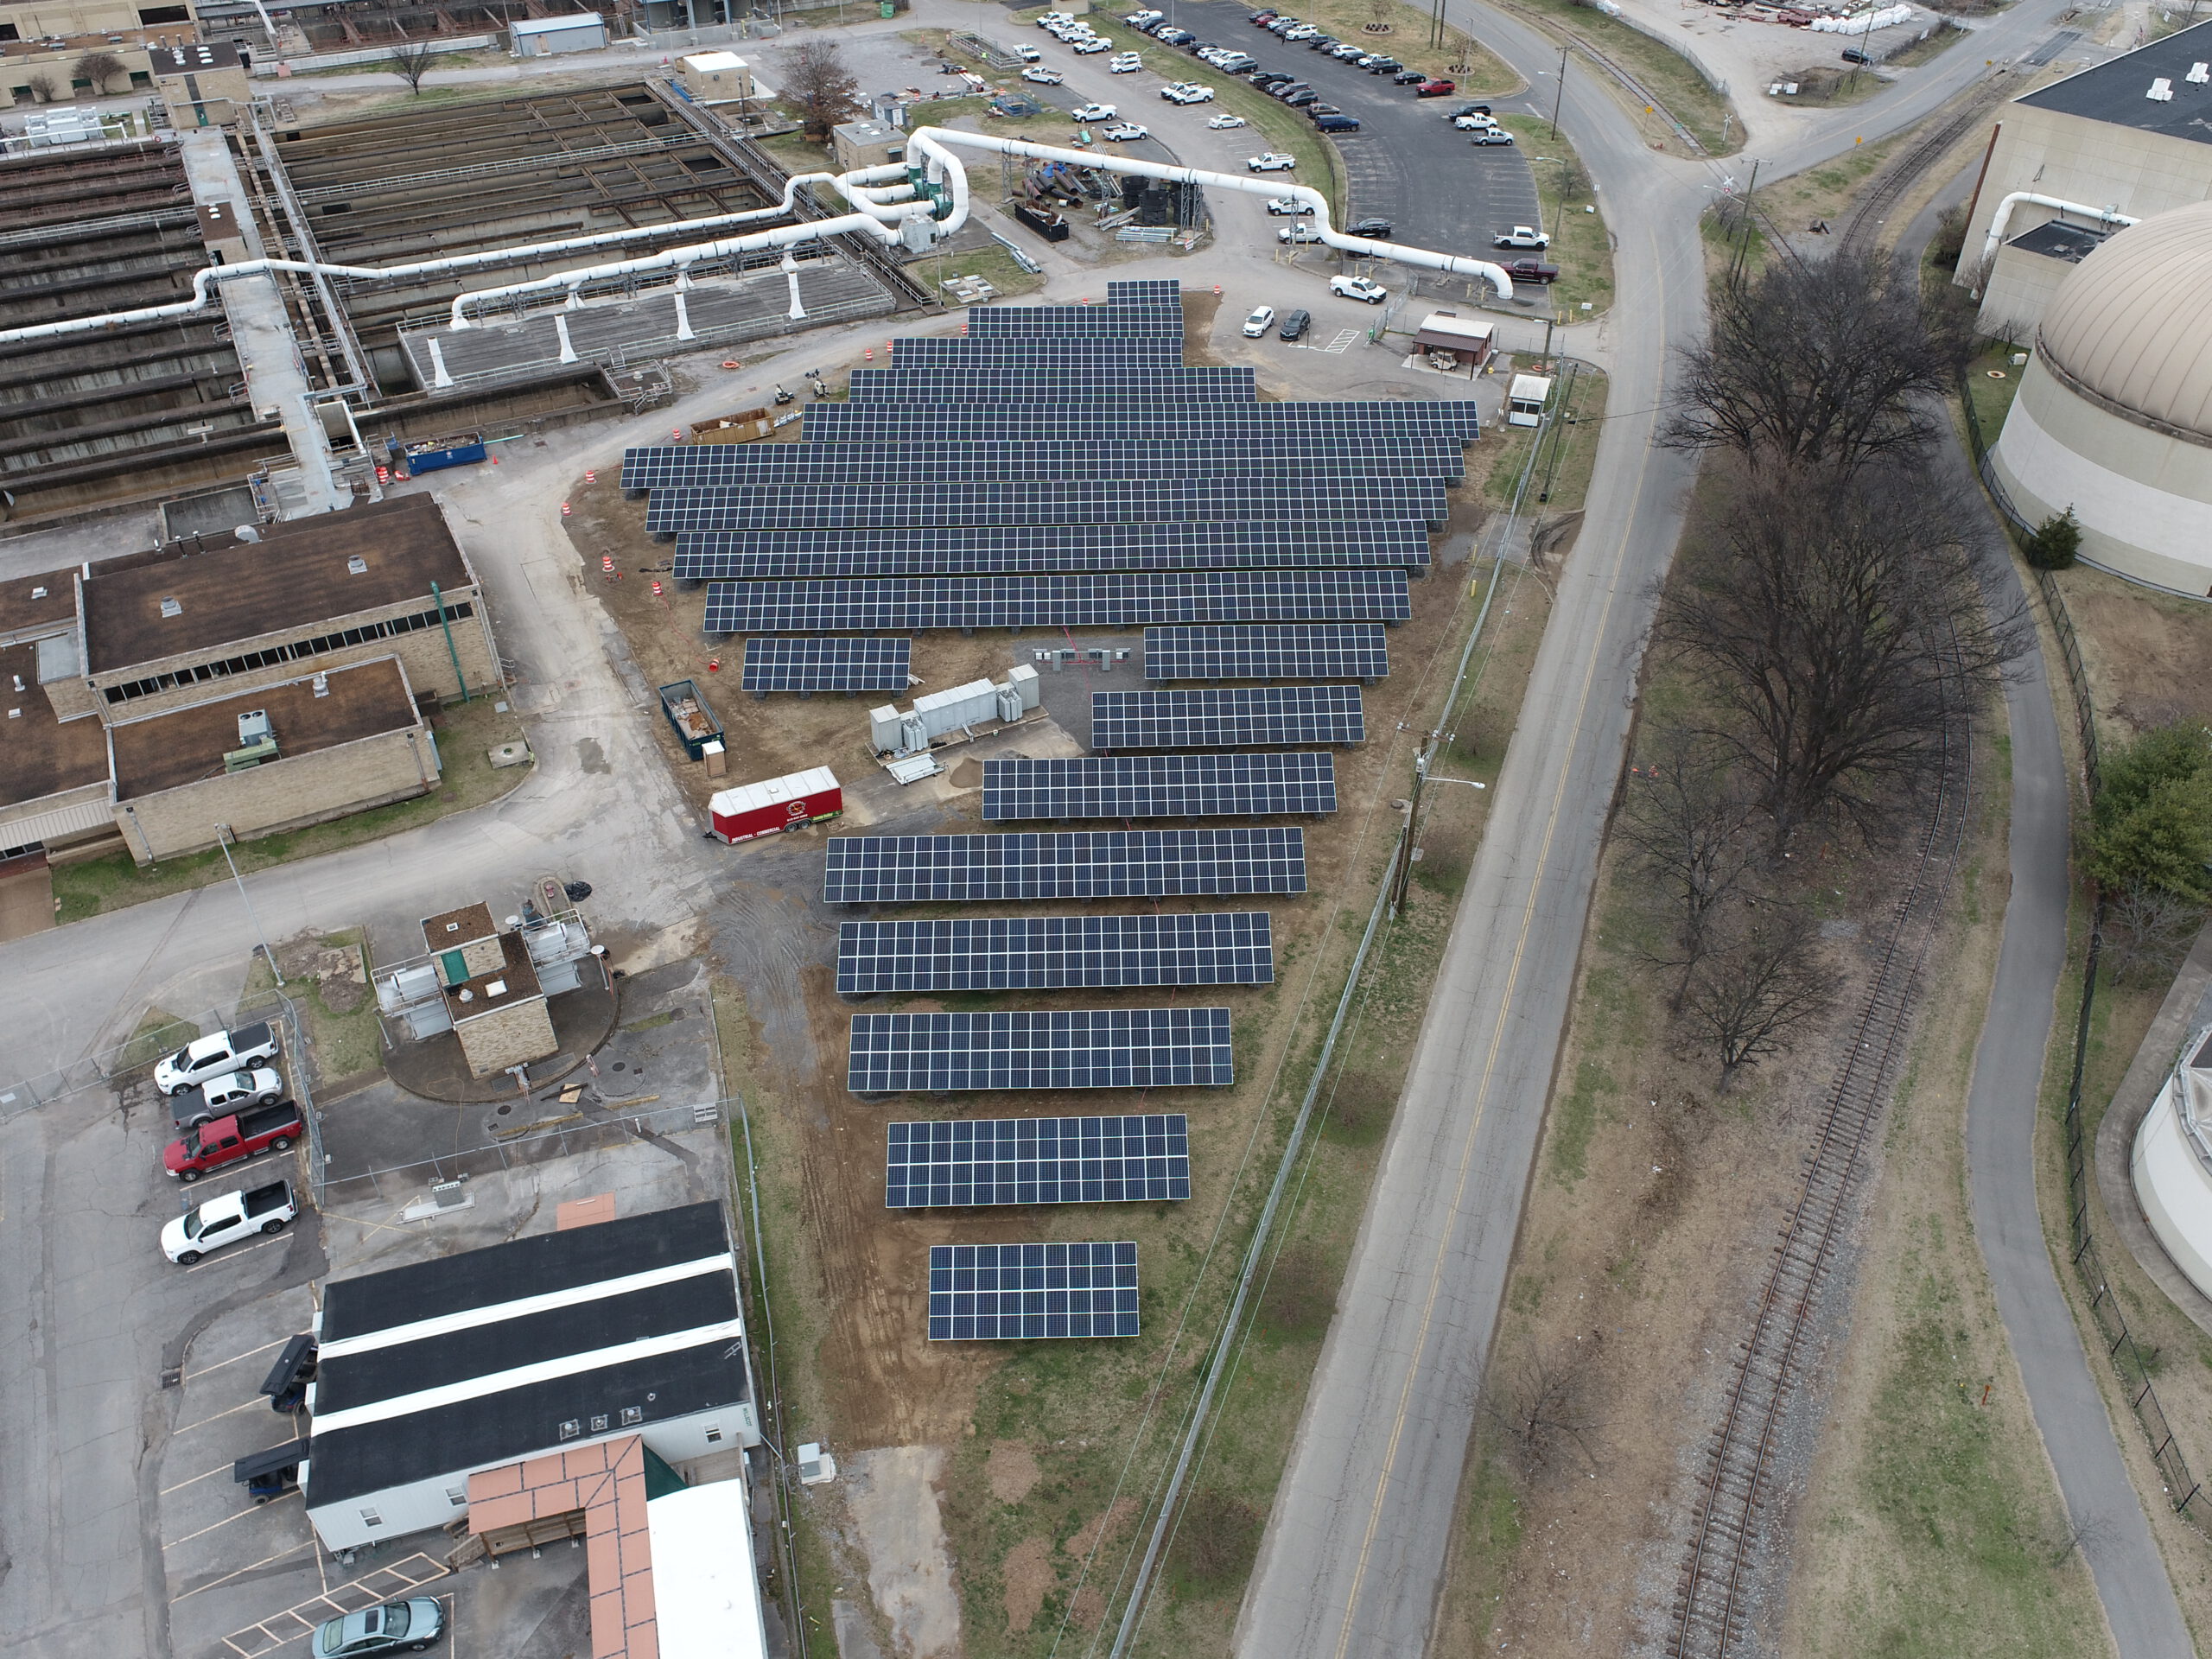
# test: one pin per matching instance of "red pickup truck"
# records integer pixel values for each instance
(231, 1140)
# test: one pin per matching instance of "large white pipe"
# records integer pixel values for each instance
(929, 142)
(204, 279)
(2004, 215)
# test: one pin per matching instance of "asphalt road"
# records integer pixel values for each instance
(1353, 1557)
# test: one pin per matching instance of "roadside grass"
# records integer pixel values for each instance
(464, 732)
(348, 1042)
(1076, 1412)
(1823, 88)
(1992, 382)
(1570, 454)
(158, 1033)
(1824, 192)
(1581, 247)
(1938, 40)
(1670, 77)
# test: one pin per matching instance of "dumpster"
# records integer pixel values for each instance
(686, 711)
(777, 805)
(430, 454)
(744, 427)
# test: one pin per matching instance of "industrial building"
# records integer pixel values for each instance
(2172, 1165)
(2113, 415)
(542, 1348)
(489, 984)
(221, 689)
(2072, 162)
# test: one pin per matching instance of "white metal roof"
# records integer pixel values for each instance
(550, 25)
(715, 63)
(706, 1594)
(749, 798)
(1471, 330)
(1530, 388)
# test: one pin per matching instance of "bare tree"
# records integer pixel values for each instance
(1757, 988)
(1540, 1405)
(1687, 822)
(41, 86)
(1833, 624)
(824, 90)
(410, 61)
(1831, 361)
(2149, 928)
(99, 68)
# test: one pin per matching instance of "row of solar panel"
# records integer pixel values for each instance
(1026, 1048)
(1141, 352)
(1045, 550)
(1197, 863)
(1159, 786)
(965, 1162)
(1041, 953)
(1296, 456)
(1041, 382)
(1104, 419)
(904, 604)
(1309, 651)
(850, 664)
(1005, 1292)
(1225, 717)
(1025, 501)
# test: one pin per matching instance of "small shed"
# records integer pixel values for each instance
(202, 84)
(715, 77)
(868, 143)
(1525, 399)
(541, 37)
(1468, 340)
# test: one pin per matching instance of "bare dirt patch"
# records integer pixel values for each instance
(1012, 1471)
(2145, 652)
(1029, 1576)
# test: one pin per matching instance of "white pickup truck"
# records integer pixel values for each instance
(211, 1057)
(228, 1219)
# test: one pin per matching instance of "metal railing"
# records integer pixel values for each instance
(615, 1128)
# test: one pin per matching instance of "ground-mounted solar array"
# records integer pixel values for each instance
(1323, 651)
(1207, 863)
(1227, 718)
(1159, 786)
(1010, 1292)
(963, 1163)
(1040, 1048)
(1054, 953)
(906, 604)
(864, 664)
(1023, 501)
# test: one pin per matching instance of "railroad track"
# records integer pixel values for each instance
(1872, 212)
(1710, 1604)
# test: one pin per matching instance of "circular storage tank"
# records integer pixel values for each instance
(2172, 1165)
(2113, 417)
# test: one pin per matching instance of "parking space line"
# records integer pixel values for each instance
(226, 1520)
(305, 1543)
(231, 1255)
(409, 1574)
(195, 1479)
(363, 1221)
(234, 1359)
(250, 1405)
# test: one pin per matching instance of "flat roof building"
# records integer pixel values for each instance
(431, 1373)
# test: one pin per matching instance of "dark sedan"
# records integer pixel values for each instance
(1295, 325)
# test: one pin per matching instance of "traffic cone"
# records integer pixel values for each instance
(564, 509)
(590, 476)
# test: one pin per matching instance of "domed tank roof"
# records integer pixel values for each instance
(2132, 323)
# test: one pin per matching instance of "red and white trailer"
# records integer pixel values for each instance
(779, 803)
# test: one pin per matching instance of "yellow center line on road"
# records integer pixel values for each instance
(1482, 1096)
(226, 1520)
(234, 1359)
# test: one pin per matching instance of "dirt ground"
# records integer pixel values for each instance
(857, 1370)
(2145, 651)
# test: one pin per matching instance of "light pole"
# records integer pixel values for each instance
(1559, 97)
(223, 840)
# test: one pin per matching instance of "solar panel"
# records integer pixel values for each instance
(1126, 418)
(1055, 953)
(835, 665)
(1012, 1292)
(1021, 550)
(1006, 501)
(1026, 1048)
(1298, 455)
(1040, 381)
(1238, 717)
(904, 604)
(1158, 786)
(1147, 351)
(965, 1162)
(1311, 651)
(1066, 864)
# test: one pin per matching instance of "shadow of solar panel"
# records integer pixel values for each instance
(1064, 864)
(1311, 651)
(1227, 718)
(1008, 501)
(1012, 1292)
(967, 1163)
(1059, 1048)
(1159, 786)
(1048, 549)
(904, 604)
(840, 664)
(1055, 953)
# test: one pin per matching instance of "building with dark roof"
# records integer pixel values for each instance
(2119, 142)
(431, 1373)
